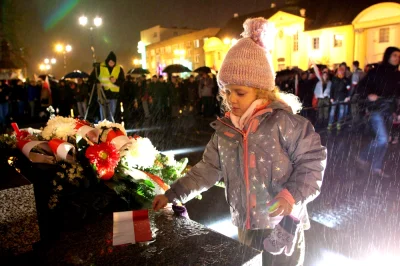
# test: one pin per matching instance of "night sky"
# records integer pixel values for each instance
(43, 23)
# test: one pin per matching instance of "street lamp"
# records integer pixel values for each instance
(97, 22)
(64, 49)
(83, 20)
(53, 61)
(46, 61)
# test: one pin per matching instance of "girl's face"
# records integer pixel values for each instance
(240, 98)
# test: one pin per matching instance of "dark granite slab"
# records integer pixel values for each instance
(177, 241)
(19, 227)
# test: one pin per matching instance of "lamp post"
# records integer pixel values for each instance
(97, 22)
(46, 65)
(64, 49)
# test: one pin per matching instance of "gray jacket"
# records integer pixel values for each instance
(319, 90)
(277, 150)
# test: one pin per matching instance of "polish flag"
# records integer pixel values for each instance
(131, 227)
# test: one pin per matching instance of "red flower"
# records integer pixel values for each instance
(104, 157)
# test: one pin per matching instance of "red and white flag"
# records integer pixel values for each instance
(131, 227)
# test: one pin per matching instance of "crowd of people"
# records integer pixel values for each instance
(329, 97)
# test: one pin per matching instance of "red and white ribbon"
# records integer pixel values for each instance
(63, 150)
(26, 146)
(87, 131)
(131, 227)
(118, 139)
(160, 186)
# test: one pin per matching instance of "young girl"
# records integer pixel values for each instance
(264, 152)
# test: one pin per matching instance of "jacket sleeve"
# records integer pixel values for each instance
(200, 178)
(121, 78)
(308, 156)
(367, 85)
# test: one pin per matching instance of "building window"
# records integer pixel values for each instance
(315, 43)
(196, 43)
(189, 52)
(337, 40)
(197, 58)
(296, 42)
(175, 47)
(168, 49)
(383, 35)
(162, 50)
(155, 34)
(188, 44)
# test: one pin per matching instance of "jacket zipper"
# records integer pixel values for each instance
(246, 170)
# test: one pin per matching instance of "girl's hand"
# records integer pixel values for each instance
(279, 206)
(160, 202)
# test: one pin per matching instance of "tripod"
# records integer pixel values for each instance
(101, 96)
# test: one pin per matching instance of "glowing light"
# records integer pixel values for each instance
(330, 258)
(224, 227)
(46, 61)
(179, 52)
(234, 41)
(141, 47)
(83, 20)
(227, 41)
(53, 61)
(42, 67)
(59, 48)
(185, 150)
(48, 67)
(339, 37)
(68, 48)
(64, 9)
(97, 21)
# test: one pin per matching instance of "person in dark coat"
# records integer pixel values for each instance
(380, 88)
(65, 97)
(19, 98)
(4, 104)
(340, 92)
(81, 97)
(191, 88)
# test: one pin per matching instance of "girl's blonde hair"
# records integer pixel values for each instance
(271, 96)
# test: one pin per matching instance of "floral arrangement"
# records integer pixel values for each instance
(130, 165)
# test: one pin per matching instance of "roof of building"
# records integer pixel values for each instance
(319, 14)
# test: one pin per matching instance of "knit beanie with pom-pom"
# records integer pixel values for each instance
(248, 63)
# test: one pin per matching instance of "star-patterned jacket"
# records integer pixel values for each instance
(276, 150)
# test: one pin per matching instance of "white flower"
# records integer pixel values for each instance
(170, 159)
(108, 124)
(141, 153)
(59, 188)
(59, 127)
(64, 165)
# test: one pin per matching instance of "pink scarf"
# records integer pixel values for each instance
(240, 122)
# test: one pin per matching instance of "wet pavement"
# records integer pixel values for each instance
(354, 220)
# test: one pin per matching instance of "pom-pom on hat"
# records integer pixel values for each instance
(248, 62)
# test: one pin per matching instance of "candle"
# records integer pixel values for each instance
(122, 108)
(72, 113)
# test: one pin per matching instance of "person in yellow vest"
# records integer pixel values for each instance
(112, 77)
